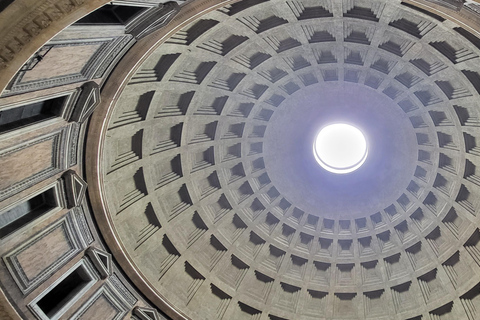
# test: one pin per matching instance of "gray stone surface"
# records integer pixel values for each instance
(215, 195)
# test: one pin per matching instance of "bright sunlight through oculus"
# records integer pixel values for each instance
(340, 148)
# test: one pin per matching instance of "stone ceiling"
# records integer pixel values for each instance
(210, 185)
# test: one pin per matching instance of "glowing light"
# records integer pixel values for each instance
(340, 148)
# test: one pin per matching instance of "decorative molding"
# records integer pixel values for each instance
(36, 58)
(26, 285)
(87, 269)
(33, 25)
(72, 144)
(101, 260)
(57, 164)
(122, 290)
(70, 97)
(146, 313)
(70, 100)
(154, 19)
(111, 296)
(81, 224)
(107, 58)
(93, 68)
(86, 103)
(75, 188)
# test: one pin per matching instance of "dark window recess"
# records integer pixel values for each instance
(4, 4)
(18, 117)
(26, 212)
(65, 291)
(111, 14)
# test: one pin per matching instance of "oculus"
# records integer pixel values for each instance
(340, 148)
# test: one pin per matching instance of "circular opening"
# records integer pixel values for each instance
(340, 148)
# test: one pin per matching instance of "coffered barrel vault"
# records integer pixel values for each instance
(198, 176)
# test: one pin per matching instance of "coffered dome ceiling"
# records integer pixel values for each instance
(212, 192)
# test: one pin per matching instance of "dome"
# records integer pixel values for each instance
(205, 190)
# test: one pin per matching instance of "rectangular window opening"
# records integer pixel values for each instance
(64, 292)
(111, 14)
(22, 116)
(27, 211)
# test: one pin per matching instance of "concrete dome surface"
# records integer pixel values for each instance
(192, 192)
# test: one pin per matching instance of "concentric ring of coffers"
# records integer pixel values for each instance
(190, 192)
